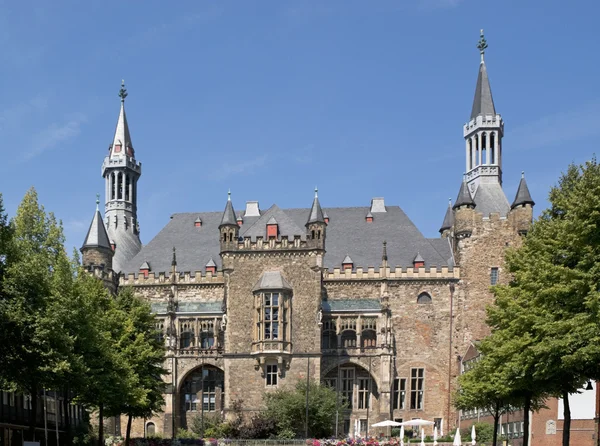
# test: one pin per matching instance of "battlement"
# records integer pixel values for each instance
(125, 161)
(488, 121)
(386, 273)
(281, 243)
(186, 277)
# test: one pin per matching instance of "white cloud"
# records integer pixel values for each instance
(53, 135)
(240, 168)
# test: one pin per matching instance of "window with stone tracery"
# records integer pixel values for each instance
(329, 334)
(272, 316)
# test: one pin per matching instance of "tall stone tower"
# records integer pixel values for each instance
(121, 172)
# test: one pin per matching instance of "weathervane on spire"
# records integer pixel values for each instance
(122, 91)
(482, 45)
(97, 200)
(229, 195)
(316, 192)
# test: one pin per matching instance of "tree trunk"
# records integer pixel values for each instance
(526, 408)
(128, 434)
(567, 422)
(496, 420)
(101, 425)
(33, 414)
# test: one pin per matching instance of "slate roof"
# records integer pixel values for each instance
(464, 196)
(128, 245)
(448, 219)
(229, 215)
(96, 236)
(347, 234)
(489, 197)
(272, 280)
(316, 213)
(523, 196)
(351, 305)
(189, 307)
(483, 104)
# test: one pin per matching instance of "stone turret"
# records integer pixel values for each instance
(229, 229)
(315, 225)
(464, 212)
(521, 210)
(448, 222)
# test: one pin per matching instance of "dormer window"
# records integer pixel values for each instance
(347, 263)
(325, 217)
(198, 222)
(369, 217)
(272, 228)
(211, 267)
(145, 269)
(240, 221)
(418, 262)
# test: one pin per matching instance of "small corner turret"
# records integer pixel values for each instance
(315, 225)
(228, 229)
(96, 251)
(521, 210)
(464, 212)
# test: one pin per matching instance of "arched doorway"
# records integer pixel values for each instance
(358, 389)
(202, 394)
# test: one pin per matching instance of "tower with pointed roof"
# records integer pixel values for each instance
(121, 172)
(228, 228)
(315, 225)
(483, 139)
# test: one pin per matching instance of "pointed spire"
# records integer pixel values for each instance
(448, 218)
(316, 213)
(523, 196)
(384, 256)
(229, 217)
(483, 103)
(464, 196)
(97, 237)
(122, 140)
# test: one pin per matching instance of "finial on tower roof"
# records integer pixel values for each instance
(123, 91)
(97, 200)
(228, 194)
(522, 174)
(450, 201)
(482, 45)
(316, 192)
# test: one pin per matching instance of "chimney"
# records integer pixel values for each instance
(252, 209)
(378, 205)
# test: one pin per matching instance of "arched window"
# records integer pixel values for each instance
(207, 339)
(150, 429)
(348, 338)
(368, 339)
(186, 340)
(470, 153)
(493, 147)
(424, 298)
(329, 336)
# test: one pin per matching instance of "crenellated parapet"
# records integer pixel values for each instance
(182, 278)
(398, 273)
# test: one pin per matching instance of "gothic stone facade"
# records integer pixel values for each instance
(356, 298)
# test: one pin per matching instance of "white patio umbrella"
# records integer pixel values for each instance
(422, 437)
(435, 436)
(402, 436)
(473, 435)
(457, 441)
(386, 423)
(417, 422)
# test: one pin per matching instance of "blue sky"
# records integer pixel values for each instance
(270, 98)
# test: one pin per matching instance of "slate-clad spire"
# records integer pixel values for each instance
(448, 218)
(523, 196)
(229, 217)
(464, 197)
(122, 140)
(316, 213)
(97, 236)
(483, 104)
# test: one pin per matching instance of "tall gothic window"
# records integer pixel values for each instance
(271, 316)
(347, 385)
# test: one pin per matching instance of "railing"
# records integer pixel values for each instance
(272, 346)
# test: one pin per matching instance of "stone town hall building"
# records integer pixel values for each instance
(251, 300)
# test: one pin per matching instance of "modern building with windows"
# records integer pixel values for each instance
(252, 300)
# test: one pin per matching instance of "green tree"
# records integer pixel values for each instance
(288, 409)
(34, 288)
(553, 300)
(142, 350)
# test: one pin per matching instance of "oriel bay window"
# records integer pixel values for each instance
(272, 304)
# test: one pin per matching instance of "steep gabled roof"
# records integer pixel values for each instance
(286, 225)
